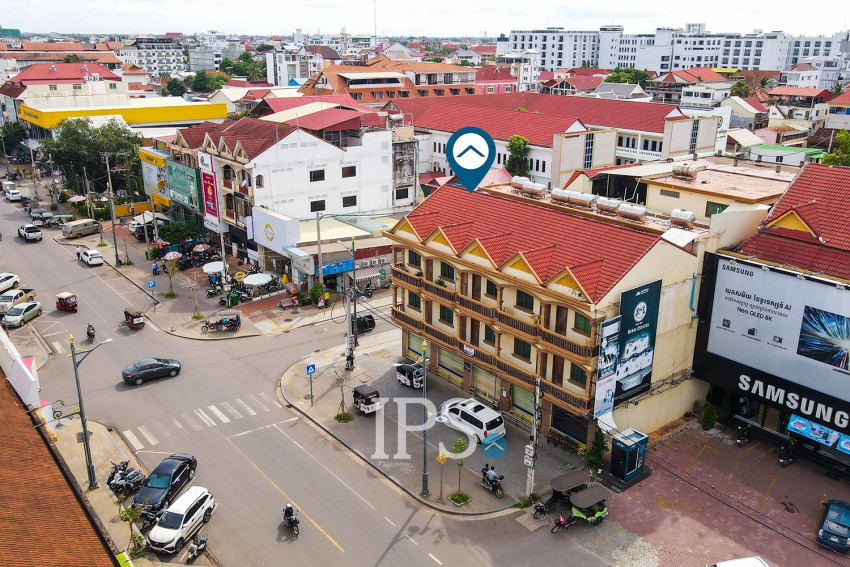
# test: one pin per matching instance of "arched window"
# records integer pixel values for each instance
(228, 201)
(246, 179)
(259, 181)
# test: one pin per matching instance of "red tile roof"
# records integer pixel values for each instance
(538, 129)
(819, 191)
(330, 119)
(621, 114)
(794, 91)
(11, 91)
(808, 256)
(325, 51)
(755, 103)
(584, 83)
(274, 105)
(254, 135)
(587, 71)
(42, 521)
(194, 135)
(503, 226)
(494, 73)
(547, 75)
(43, 73)
(45, 46)
(843, 98)
(246, 84)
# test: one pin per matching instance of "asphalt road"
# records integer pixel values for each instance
(253, 453)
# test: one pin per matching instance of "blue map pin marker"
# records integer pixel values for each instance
(470, 152)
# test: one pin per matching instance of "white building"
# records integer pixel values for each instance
(525, 66)
(291, 62)
(558, 47)
(154, 54)
(800, 76)
(203, 57)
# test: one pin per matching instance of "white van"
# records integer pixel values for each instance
(473, 418)
(77, 228)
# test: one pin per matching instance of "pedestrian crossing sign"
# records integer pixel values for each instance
(442, 456)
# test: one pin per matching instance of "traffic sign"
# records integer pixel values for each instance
(529, 461)
(311, 369)
(151, 284)
(442, 456)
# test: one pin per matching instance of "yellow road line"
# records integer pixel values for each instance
(285, 497)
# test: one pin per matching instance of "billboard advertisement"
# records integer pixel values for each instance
(154, 176)
(639, 321)
(209, 189)
(184, 183)
(606, 374)
(787, 326)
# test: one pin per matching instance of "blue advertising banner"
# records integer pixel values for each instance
(816, 432)
(639, 312)
(336, 267)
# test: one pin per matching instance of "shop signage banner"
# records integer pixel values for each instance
(639, 313)
(796, 329)
(209, 189)
(154, 177)
(814, 431)
(184, 183)
(606, 375)
(336, 267)
(275, 231)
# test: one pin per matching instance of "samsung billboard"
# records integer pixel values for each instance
(793, 328)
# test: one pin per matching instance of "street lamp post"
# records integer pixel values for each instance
(425, 490)
(352, 294)
(86, 446)
(5, 155)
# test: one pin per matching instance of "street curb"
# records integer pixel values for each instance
(378, 469)
(41, 341)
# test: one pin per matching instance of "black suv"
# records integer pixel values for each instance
(167, 479)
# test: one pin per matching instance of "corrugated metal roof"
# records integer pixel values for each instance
(744, 137)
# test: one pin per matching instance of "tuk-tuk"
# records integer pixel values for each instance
(230, 320)
(35, 211)
(135, 317)
(25, 199)
(37, 219)
(562, 488)
(366, 399)
(410, 375)
(590, 504)
(48, 218)
(66, 301)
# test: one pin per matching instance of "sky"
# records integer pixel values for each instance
(432, 18)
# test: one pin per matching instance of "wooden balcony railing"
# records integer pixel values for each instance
(473, 305)
(407, 319)
(527, 328)
(559, 393)
(439, 291)
(399, 274)
(567, 345)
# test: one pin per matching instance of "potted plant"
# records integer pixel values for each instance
(709, 417)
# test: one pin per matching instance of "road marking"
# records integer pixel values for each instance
(217, 412)
(132, 439)
(231, 410)
(160, 428)
(148, 435)
(57, 346)
(269, 399)
(411, 539)
(431, 555)
(262, 427)
(205, 418)
(192, 423)
(320, 463)
(179, 426)
(246, 407)
(285, 497)
(258, 402)
(389, 521)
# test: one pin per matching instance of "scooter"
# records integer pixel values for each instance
(494, 486)
(543, 507)
(214, 290)
(117, 472)
(743, 435)
(130, 482)
(789, 454)
(150, 517)
(291, 522)
(563, 523)
(197, 548)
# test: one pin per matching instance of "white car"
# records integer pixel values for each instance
(21, 313)
(91, 257)
(181, 520)
(9, 280)
(473, 418)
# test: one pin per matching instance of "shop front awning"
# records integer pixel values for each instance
(368, 273)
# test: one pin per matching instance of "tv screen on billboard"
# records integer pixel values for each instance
(795, 328)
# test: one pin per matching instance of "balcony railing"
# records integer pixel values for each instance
(446, 294)
(515, 372)
(399, 274)
(473, 305)
(227, 184)
(407, 319)
(567, 345)
(441, 336)
(635, 153)
(561, 394)
(527, 328)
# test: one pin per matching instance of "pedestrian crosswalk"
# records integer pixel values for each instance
(210, 416)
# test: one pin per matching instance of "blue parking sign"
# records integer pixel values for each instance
(151, 284)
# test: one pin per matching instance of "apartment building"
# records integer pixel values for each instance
(558, 47)
(205, 57)
(525, 66)
(509, 293)
(154, 54)
(288, 65)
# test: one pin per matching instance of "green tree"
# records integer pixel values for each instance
(458, 448)
(73, 58)
(628, 75)
(201, 82)
(466, 64)
(264, 47)
(175, 87)
(840, 155)
(837, 89)
(226, 65)
(740, 89)
(216, 80)
(434, 59)
(170, 270)
(764, 82)
(76, 151)
(13, 133)
(595, 455)
(518, 158)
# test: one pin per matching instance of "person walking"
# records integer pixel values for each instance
(155, 268)
(78, 252)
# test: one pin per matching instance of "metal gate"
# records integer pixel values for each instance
(450, 367)
(414, 346)
(486, 385)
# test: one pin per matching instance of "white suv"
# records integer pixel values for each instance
(473, 418)
(181, 520)
(8, 280)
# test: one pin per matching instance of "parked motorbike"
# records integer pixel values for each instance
(131, 481)
(117, 472)
(150, 517)
(291, 522)
(494, 486)
(743, 435)
(563, 523)
(543, 506)
(367, 291)
(197, 548)
(214, 290)
(789, 454)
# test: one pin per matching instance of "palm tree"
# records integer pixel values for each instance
(764, 82)
(837, 89)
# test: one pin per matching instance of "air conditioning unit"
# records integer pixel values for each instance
(364, 264)
(385, 260)
(374, 261)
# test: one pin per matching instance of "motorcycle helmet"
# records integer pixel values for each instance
(289, 506)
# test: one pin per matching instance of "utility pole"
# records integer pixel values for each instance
(104, 156)
(319, 244)
(425, 491)
(351, 310)
(531, 448)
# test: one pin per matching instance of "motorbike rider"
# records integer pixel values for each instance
(288, 513)
(90, 330)
(492, 477)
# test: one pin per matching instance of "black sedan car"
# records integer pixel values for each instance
(149, 368)
(166, 480)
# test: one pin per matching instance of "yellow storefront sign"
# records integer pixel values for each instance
(158, 161)
(160, 200)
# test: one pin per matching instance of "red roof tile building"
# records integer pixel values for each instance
(774, 318)
(505, 289)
